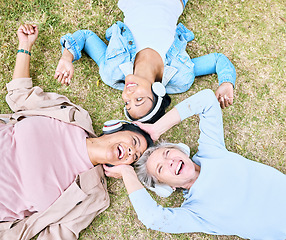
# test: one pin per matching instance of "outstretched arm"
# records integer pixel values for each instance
(65, 70)
(203, 103)
(166, 122)
(127, 173)
(218, 63)
(149, 212)
(27, 35)
(73, 44)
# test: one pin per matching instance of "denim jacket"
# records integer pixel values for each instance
(116, 60)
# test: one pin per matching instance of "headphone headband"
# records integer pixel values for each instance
(113, 126)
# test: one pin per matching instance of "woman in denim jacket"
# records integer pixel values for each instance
(146, 58)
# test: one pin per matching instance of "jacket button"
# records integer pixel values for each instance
(63, 106)
(102, 180)
(130, 42)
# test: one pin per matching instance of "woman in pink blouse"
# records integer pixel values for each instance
(48, 141)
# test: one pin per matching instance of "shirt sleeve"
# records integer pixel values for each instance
(215, 63)
(207, 106)
(156, 217)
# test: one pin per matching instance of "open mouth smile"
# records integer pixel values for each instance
(120, 152)
(131, 85)
(179, 168)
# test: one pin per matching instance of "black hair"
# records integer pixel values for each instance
(134, 128)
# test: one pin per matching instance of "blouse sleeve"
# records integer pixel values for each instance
(206, 105)
(156, 217)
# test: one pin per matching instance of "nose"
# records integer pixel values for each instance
(130, 151)
(169, 162)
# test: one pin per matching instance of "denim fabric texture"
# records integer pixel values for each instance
(179, 70)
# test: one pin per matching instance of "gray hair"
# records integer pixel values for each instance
(141, 165)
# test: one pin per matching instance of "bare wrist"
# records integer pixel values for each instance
(25, 45)
(67, 55)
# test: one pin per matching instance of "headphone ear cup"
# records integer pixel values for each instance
(112, 126)
(159, 89)
(162, 190)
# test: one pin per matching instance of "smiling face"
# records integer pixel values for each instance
(123, 147)
(173, 167)
(137, 96)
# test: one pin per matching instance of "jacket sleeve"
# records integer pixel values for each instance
(95, 200)
(23, 96)
(85, 40)
(215, 63)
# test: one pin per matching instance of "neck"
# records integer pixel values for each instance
(95, 150)
(149, 65)
(195, 177)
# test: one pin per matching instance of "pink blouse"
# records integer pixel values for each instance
(40, 158)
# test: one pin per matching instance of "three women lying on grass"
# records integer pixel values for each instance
(51, 178)
(225, 193)
(146, 58)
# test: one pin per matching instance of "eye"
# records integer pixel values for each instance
(134, 141)
(160, 169)
(139, 99)
(167, 153)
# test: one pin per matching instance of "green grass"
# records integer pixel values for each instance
(251, 33)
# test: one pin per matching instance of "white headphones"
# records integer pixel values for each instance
(113, 126)
(160, 91)
(164, 190)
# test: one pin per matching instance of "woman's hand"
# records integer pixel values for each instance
(117, 171)
(65, 70)
(224, 94)
(128, 174)
(27, 35)
(149, 128)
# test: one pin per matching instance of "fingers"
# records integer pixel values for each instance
(28, 28)
(111, 171)
(63, 77)
(139, 124)
(225, 101)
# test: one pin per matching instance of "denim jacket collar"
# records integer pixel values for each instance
(169, 71)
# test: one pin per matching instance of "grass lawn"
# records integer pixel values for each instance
(252, 34)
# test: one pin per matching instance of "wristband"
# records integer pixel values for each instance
(24, 51)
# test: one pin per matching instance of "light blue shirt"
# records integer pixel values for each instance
(116, 59)
(232, 195)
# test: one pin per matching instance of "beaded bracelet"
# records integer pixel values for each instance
(24, 51)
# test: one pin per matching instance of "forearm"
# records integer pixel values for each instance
(22, 66)
(131, 181)
(166, 122)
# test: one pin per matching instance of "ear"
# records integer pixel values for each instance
(184, 148)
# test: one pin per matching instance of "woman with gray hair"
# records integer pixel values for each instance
(225, 193)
